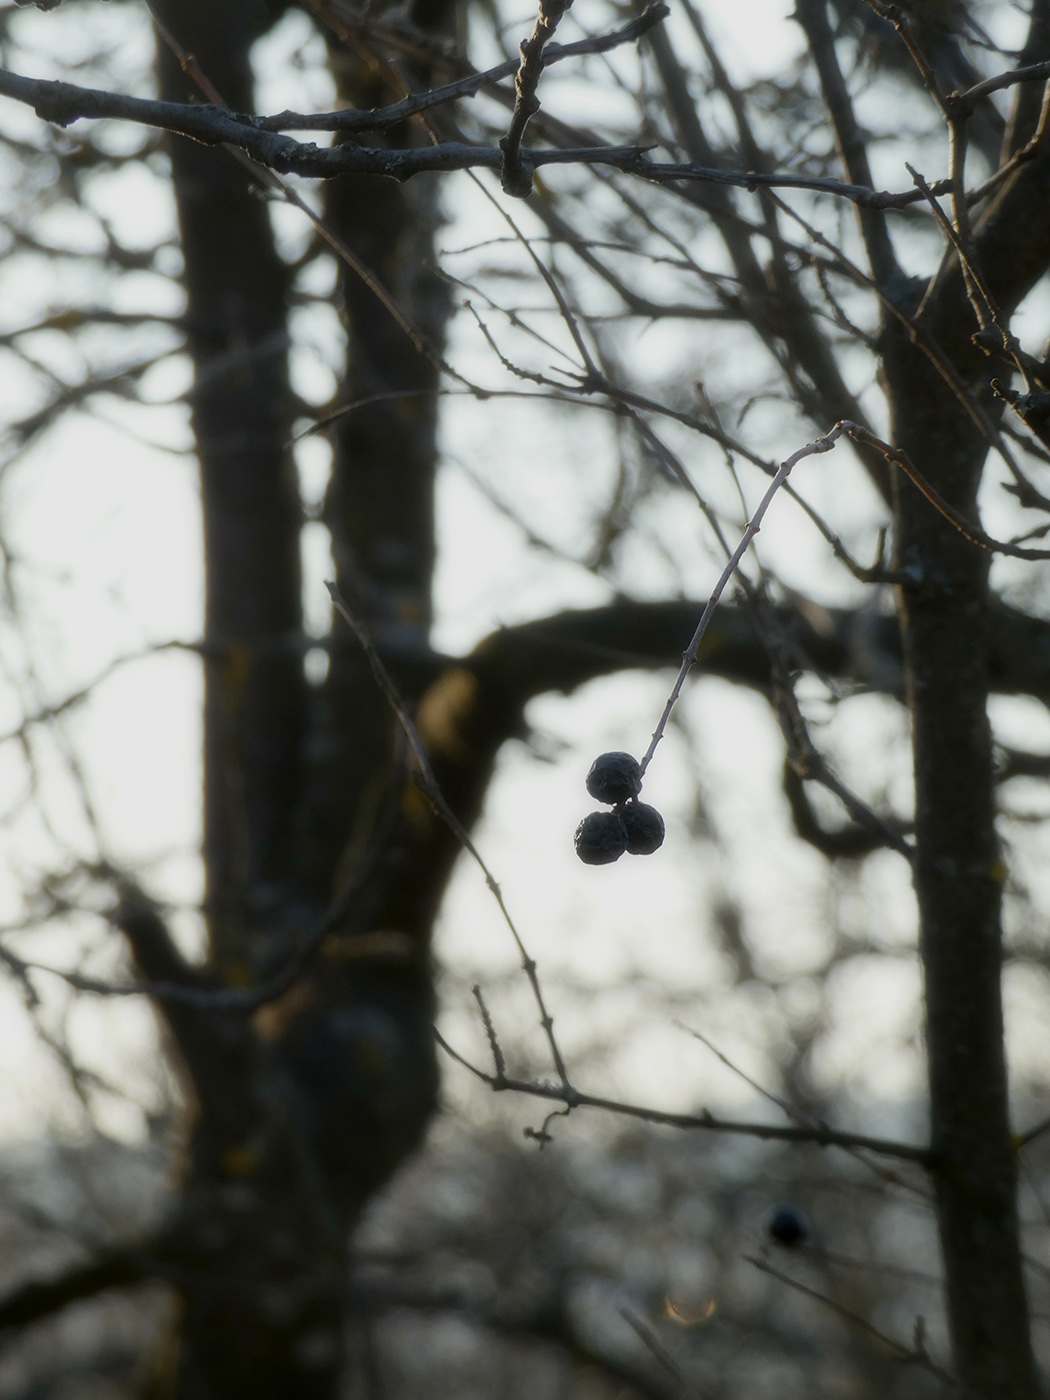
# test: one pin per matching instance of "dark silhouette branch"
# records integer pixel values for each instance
(64, 103)
(515, 177)
(1016, 763)
(813, 17)
(847, 843)
(1030, 73)
(819, 1134)
(35, 1301)
(352, 119)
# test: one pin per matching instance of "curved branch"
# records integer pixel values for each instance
(568, 649)
(565, 651)
(847, 843)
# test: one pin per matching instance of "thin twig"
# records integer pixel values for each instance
(590, 368)
(894, 14)
(910, 1355)
(820, 1134)
(899, 458)
(490, 1031)
(659, 1352)
(429, 786)
(805, 1120)
(823, 444)
(378, 118)
(786, 1108)
(815, 767)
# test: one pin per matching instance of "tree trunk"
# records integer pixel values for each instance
(959, 876)
(302, 1113)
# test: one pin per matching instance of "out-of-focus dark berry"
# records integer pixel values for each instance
(601, 838)
(645, 828)
(614, 777)
(788, 1226)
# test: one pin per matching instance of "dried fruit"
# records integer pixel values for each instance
(788, 1226)
(645, 828)
(601, 838)
(614, 777)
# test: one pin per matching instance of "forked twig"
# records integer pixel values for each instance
(819, 1134)
(515, 177)
(414, 104)
(811, 449)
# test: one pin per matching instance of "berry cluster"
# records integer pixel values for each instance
(631, 826)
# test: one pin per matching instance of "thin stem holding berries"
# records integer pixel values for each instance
(616, 778)
(811, 449)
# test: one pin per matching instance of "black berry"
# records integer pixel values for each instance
(645, 828)
(601, 838)
(614, 777)
(788, 1226)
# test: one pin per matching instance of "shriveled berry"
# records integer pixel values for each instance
(788, 1226)
(601, 838)
(614, 777)
(645, 828)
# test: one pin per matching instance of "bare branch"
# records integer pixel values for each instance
(659, 1352)
(849, 843)
(820, 1134)
(824, 444)
(353, 119)
(428, 785)
(1031, 73)
(35, 1301)
(915, 1356)
(64, 103)
(966, 528)
(812, 15)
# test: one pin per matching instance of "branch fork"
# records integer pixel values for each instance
(516, 175)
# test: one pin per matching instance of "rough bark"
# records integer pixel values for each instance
(958, 881)
(303, 1112)
(254, 1241)
(959, 873)
(237, 297)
